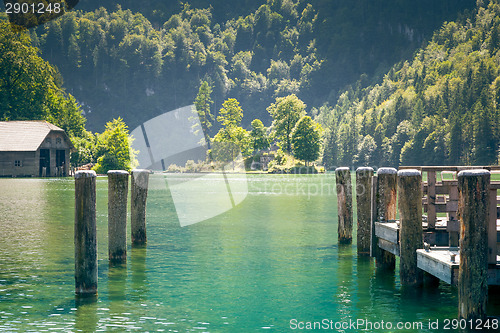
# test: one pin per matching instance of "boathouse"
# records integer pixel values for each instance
(33, 149)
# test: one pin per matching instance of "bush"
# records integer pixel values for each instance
(190, 166)
(174, 168)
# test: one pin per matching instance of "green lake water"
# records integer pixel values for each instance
(267, 264)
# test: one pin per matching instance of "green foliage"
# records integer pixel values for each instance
(231, 113)
(113, 148)
(439, 108)
(128, 56)
(30, 87)
(203, 103)
(231, 138)
(366, 152)
(259, 137)
(84, 149)
(286, 112)
(306, 140)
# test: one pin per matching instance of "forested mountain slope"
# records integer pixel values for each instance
(30, 88)
(141, 62)
(441, 107)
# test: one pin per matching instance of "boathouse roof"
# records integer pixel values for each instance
(25, 135)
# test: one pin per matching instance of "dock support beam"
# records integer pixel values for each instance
(386, 211)
(410, 213)
(139, 189)
(363, 205)
(85, 234)
(474, 217)
(344, 201)
(117, 215)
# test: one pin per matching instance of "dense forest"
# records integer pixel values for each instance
(30, 88)
(139, 59)
(441, 107)
(397, 83)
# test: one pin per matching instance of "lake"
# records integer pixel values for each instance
(272, 263)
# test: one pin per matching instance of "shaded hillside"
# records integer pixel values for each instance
(30, 88)
(442, 107)
(118, 63)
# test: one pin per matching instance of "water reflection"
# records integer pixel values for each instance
(272, 258)
(139, 273)
(117, 282)
(86, 318)
(346, 289)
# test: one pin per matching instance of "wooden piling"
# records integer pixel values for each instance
(374, 218)
(474, 217)
(85, 233)
(431, 199)
(453, 235)
(492, 227)
(363, 206)
(344, 200)
(117, 215)
(386, 211)
(411, 233)
(139, 189)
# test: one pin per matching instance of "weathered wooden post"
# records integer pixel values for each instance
(411, 233)
(344, 200)
(85, 233)
(139, 189)
(386, 211)
(117, 215)
(363, 206)
(431, 199)
(474, 217)
(452, 217)
(374, 218)
(492, 227)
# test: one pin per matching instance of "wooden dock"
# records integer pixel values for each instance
(455, 211)
(444, 262)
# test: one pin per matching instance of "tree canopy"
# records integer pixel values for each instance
(113, 150)
(439, 108)
(286, 112)
(306, 140)
(30, 88)
(125, 56)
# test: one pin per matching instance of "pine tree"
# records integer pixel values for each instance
(203, 103)
(485, 141)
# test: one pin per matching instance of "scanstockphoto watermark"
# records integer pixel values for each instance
(355, 325)
(383, 326)
(318, 185)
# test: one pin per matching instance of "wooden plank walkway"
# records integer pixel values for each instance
(438, 262)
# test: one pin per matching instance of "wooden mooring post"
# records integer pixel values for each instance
(117, 215)
(139, 189)
(344, 201)
(386, 191)
(474, 219)
(85, 233)
(410, 228)
(363, 206)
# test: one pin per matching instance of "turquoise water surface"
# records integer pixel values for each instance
(272, 263)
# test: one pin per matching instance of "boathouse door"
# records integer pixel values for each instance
(60, 162)
(44, 162)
